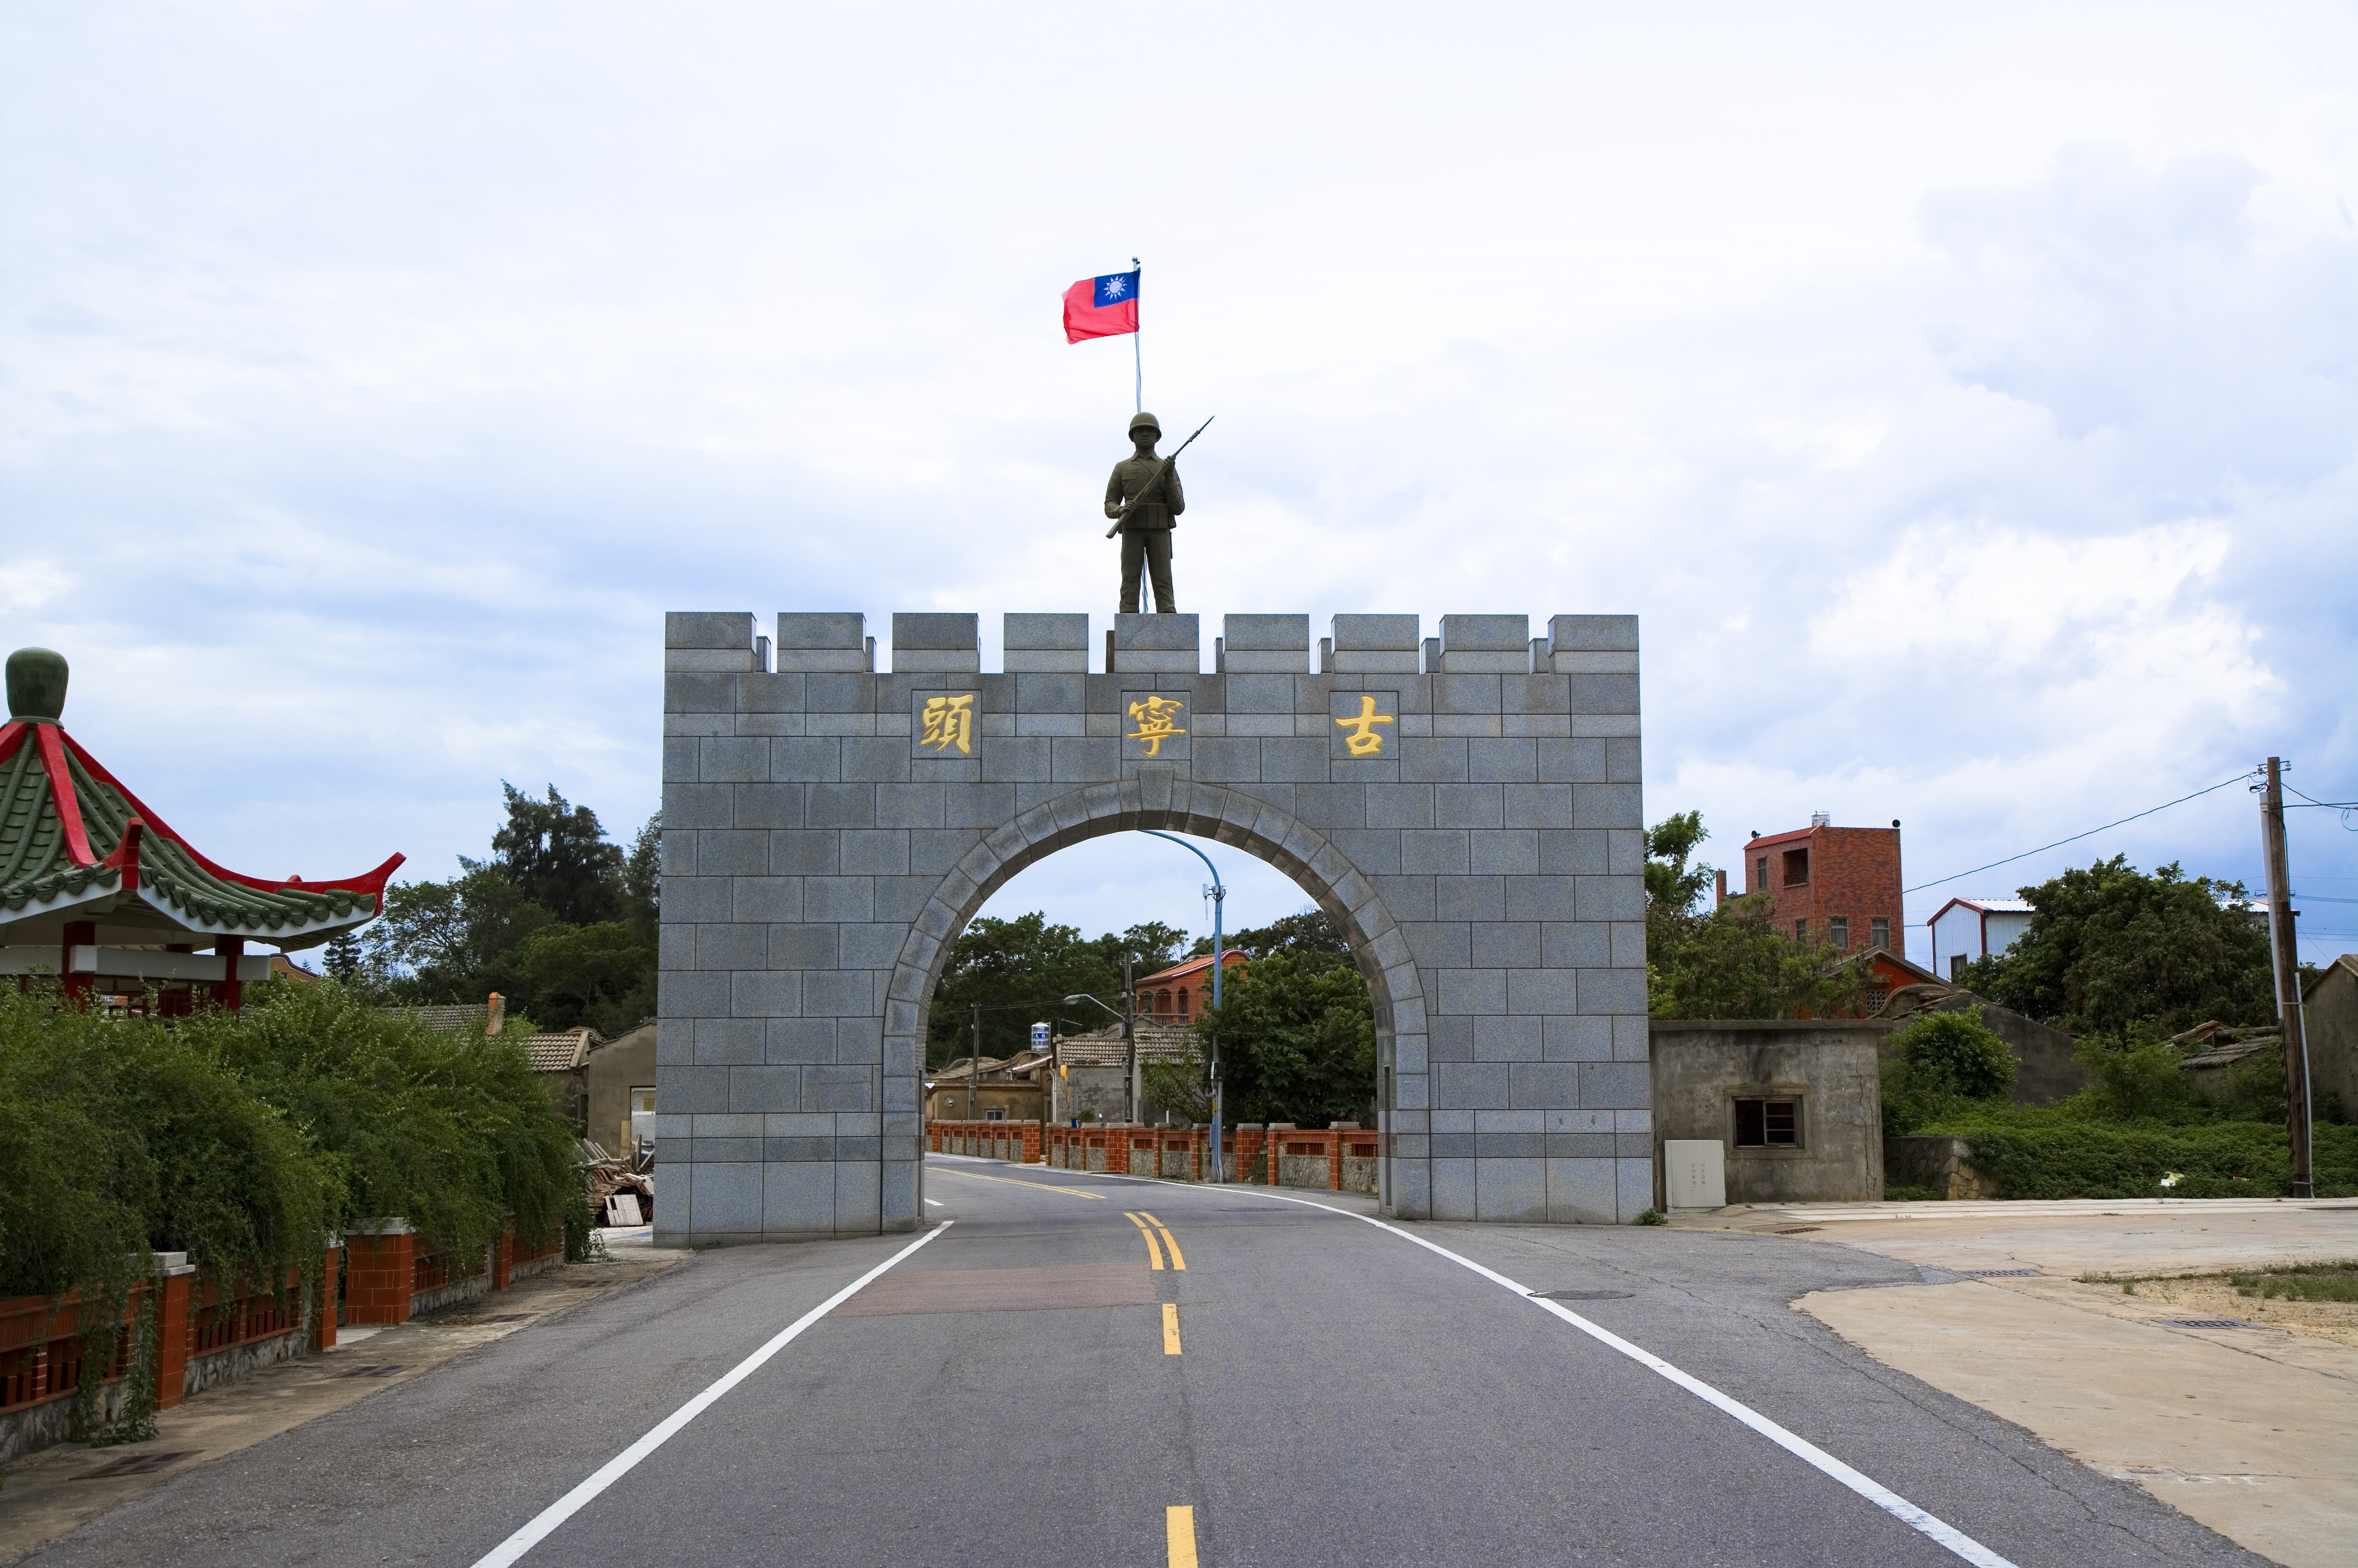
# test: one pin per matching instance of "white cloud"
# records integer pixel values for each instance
(376, 375)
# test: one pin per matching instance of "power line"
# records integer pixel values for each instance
(2075, 838)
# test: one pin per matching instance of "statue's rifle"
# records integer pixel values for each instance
(1154, 481)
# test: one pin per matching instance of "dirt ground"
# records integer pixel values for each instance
(2251, 1430)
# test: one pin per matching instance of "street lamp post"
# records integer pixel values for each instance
(1219, 895)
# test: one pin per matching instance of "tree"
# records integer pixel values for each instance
(1020, 971)
(1297, 1041)
(454, 941)
(1312, 934)
(602, 975)
(1148, 945)
(2110, 945)
(642, 881)
(561, 921)
(1731, 961)
(557, 856)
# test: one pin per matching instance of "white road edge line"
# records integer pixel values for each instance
(544, 1523)
(1882, 1497)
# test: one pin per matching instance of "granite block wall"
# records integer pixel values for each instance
(1467, 805)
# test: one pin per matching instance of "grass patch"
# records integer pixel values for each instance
(1900, 1192)
(2300, 1282)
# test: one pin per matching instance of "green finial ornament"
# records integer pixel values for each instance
(37, 686)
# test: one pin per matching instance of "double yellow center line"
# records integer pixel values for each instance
(1148, 1225)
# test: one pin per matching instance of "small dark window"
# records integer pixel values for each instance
(1838, 933)
(1767, 1124)
(994, 1116)
(1760, 874)
(1879, 933)
(1801, 931)
(1956, 967)
(1797, 868)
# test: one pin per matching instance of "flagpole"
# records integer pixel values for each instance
(1137, 360)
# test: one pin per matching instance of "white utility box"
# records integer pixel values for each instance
(1695, 1172)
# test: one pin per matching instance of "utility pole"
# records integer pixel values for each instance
(2287, 952)
(1130, 1038)
(974, 1062)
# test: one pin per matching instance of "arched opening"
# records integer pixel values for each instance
(1325, 875)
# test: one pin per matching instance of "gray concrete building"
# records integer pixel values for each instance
(1797, 1103)
(1467, 807)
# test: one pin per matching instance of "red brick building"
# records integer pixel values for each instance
(1836, 885)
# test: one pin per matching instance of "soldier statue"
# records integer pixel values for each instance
(1145, 499)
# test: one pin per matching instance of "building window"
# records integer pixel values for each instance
(1760, 874)
(1838, 933)
(1957, 969)
(1183, 1001)
(994, 1114)
(1797, 868)
(643, 1115)
(1767, 1124)
(1878, 934)
(1801, 931)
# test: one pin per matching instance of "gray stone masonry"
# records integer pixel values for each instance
(1465, 805)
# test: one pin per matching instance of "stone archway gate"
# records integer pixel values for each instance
(1465, 805)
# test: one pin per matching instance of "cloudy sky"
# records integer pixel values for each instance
(1963, 396)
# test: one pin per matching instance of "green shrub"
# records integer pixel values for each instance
(2135, 1076)
(450, 1132)
(121, 1134)
(2070, 1151)
(242, 1138)
(1939, 1066)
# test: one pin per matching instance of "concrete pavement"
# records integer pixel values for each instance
(1312, 1389)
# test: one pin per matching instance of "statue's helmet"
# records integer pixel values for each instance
(1143, 422)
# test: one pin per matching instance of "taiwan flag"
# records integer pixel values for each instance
(1101, 306)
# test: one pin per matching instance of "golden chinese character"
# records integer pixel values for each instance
(949, 721)
(1363, 739)
(1155, 725)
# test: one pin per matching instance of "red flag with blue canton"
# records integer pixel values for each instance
(1101, 306)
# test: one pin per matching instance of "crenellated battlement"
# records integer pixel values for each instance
(838, 642)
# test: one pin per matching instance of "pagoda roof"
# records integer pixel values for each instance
(76, 845)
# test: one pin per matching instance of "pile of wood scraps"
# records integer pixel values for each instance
(621, 1191)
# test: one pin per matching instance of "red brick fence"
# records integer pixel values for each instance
(208, 1336)
(1335, 1159)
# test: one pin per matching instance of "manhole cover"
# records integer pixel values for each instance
(135, 1465)
(1999, 1274)
(384, 1371)
(1584, 1295)
(2204, 1323)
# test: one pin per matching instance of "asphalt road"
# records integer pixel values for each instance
(1311, 1388)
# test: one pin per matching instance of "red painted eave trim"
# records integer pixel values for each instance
(372, 883)
(125, 858)
(11, 736)
(61, 792)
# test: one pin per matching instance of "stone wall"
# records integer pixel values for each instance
(1465, 806)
